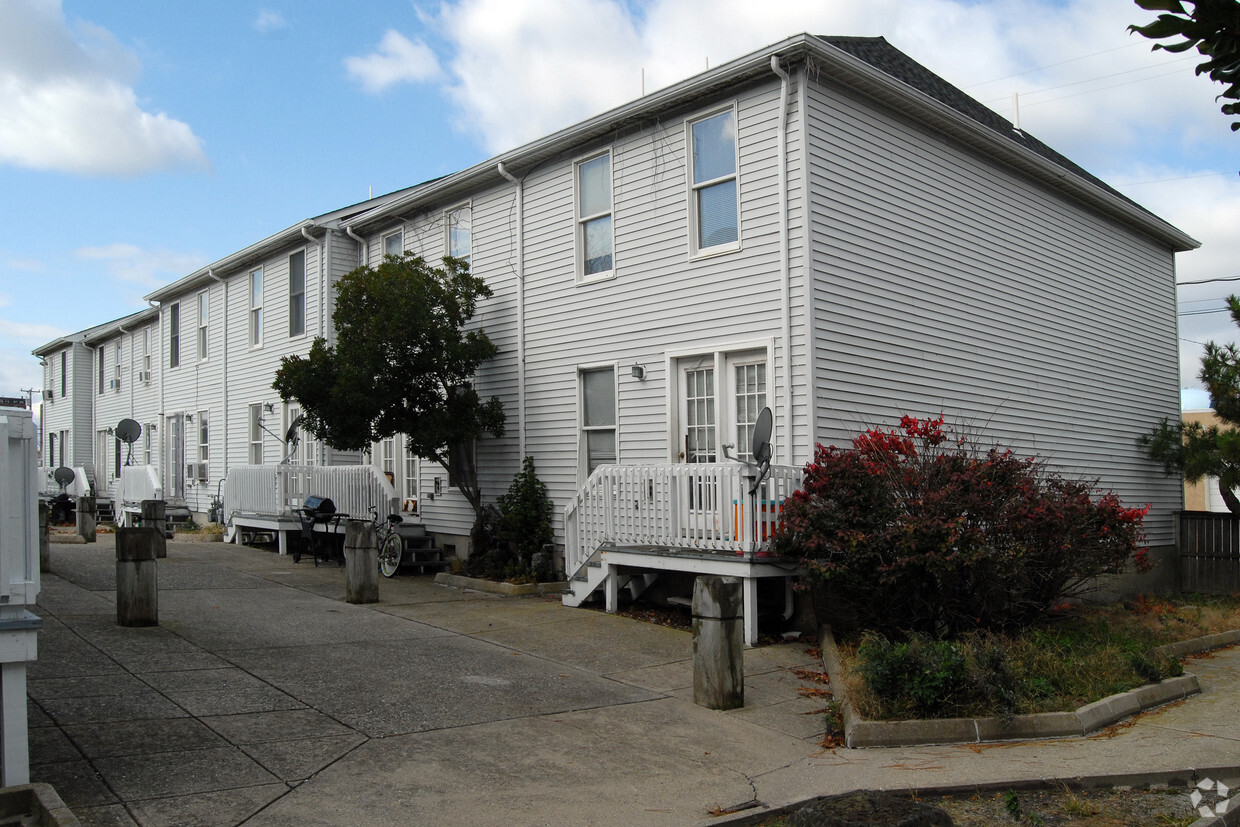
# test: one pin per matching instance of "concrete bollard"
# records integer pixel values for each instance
(718, 643)
(86, 522)
(153, 516)
(45, 547)
(361, 562)
(137, 582)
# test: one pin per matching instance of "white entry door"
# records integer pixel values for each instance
(719, 398)
(174, 468)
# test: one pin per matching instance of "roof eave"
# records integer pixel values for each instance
(255, 252)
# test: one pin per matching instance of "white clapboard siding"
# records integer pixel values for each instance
(946, 283)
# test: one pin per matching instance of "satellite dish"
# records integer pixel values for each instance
(63, 476)
(762, 437)
(128, 431)
(290, 436)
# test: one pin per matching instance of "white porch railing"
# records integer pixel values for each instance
(137, 483)
(704, 507)
(276, 490)
(80, 486)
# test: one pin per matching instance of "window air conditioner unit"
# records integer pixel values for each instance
(200, 471)
(144, 376)
(48, 395)
(114, 384)
(191, 470)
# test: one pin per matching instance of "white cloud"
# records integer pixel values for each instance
(269, 21)
(397, 60)
(67, 101)
(146, 268)
(27, 333)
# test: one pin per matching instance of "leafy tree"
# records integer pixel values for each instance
(1213, 27)
(402, 364)
(1197, 451)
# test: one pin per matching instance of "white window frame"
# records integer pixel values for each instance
(116, 367)
(203, 424)
(256, 307)
(583, 451)
(146, 443)
(296, 299)
(174, 335)
(696, 249)
(64, 369)
(399, 235)
(449, 221)
(387, 459)
(102, 351)
(255, 443)
(204, 319)
(146, 353)
(582, 220)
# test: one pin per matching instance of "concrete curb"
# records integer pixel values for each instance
(460, 581)
(860, 733)
(197, 537)
(1184, 780)
(35, 804)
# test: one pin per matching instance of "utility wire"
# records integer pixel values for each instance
(1052, 65)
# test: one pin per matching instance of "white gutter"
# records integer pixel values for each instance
(785, 286)
(224, 361)
(520, 305)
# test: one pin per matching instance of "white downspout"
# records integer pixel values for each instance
(361, 245)
(224, 367)
(520, 306)
(785, 445)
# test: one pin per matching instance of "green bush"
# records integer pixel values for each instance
(916, 529)
(518, 527)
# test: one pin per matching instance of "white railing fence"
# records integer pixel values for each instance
(80, 486)
(135, 484)
(705, 507)
(277, 490)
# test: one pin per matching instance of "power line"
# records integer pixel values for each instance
(1209, 281)
(1167, 180)
(1101, 77)
(1052, 65)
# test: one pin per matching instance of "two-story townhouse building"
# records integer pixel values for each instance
(822, 227)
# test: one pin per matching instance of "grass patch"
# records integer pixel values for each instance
(1077, 655)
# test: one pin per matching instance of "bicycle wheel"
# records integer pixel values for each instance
(389, 555)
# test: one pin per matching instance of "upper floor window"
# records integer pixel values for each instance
(297, 293)
(594, 235)
(712, 162)
(204, 315)
(256, 307)
(116, 366)
(394, 243)
(459, 242)
(146, 354)
(174, 335)
(64, 369)
(102, 351)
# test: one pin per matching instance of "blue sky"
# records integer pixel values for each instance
(140, 140)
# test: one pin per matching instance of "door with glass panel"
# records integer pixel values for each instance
(719, 400)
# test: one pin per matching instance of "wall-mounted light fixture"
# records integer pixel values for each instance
(638, 372)
(269, 407)
(189, 417)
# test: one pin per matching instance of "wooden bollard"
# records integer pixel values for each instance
(137, 583)
(45, 547)
(154, 516)
(718, 643)
(361, 562)
(86, 522)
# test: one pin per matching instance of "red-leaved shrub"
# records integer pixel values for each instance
(917, 529)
